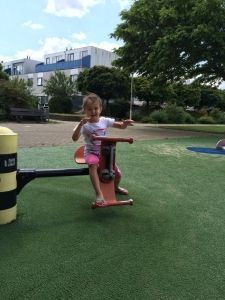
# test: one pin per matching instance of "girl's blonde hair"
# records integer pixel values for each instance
(93, 98)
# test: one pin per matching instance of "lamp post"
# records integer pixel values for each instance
(131, 95)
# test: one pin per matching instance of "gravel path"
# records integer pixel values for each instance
(60, 132)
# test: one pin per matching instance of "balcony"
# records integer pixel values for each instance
(8, 71)
(84, 62)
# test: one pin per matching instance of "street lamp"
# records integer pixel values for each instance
(131, 95)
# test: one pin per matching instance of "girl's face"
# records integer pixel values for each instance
(93, 110)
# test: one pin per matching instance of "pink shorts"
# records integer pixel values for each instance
(92, 159)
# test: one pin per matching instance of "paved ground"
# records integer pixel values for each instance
(60, 132)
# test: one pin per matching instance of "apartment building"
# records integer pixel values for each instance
(71, 61)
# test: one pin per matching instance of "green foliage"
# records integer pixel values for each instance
(212, 97)
(189, 119)
(145, 90)
(15, 93)
(172, 114)
(60, 85)
(60, 105)
(82, 81)
(187, 95)
(60, 88)
(137, 116)
(159, 116)
(217, 115)
(175, 114)
(119, 109)
(108, 83)
(206, 120)
(172, 40)
(3, 75)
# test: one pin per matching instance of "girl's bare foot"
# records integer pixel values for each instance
(121, 191)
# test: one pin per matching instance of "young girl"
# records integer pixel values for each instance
(95, 125)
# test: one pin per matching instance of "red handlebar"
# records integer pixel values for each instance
(113, 139)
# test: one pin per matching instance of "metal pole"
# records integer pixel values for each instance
(131, 96)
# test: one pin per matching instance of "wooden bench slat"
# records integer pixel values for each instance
(20, 113)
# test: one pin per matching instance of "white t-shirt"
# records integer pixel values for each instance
(99, 129)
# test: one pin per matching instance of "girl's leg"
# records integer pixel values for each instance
(93, 172)
(93, 161)
(117, 179)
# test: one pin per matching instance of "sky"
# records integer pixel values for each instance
(38, 27)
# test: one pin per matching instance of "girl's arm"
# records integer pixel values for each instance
(123, 124)
(77, 129)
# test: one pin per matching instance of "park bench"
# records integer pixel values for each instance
(20, 114)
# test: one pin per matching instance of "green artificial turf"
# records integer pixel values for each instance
(168, 245)
(219, 129)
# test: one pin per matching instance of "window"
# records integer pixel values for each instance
(73, 77)
(40, 81)
(30, 82)
(43, 100)
(70, 56)
(56, 58)
(47, 60)
(18, 69)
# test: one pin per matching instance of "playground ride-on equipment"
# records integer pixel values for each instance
(220, 145)
(8, 163)
(106, 169)
(219, 149)
(12, 180)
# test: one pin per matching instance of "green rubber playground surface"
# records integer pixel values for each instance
(168, 245)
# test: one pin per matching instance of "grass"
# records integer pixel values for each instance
(169, 245)
(220, 129)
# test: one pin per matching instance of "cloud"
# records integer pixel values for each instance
(105, 45)
(125, 3)
(56, 44)
(70, 8)
(79, 36)
(34, 26)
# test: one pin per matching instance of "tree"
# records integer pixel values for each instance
(60, 85)
(108, 83)
(15, 93)
(145, 90)
(3, 75)
(60, 88)
(173, 40)
(186, 95)
(212, 98)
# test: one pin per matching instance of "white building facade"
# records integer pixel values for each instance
(70, 61)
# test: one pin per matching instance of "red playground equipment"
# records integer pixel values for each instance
(106, 168)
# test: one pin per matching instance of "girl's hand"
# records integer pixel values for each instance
(84, 120)
(128, 122)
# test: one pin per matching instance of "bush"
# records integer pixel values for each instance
(159, 116)
(217, 115)
(3, 115)
(15, 93)
(60, 105)
(147, 119)
(137, 116)
(206, 120)
(172, 114)
(119, 109)
(175, 114)
(189, 119)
